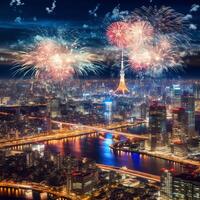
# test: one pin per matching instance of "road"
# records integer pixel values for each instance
(47, 189)
(139, 174)
(37, 187)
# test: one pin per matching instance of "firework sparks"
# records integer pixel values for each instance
(57, 60)
(163, 55)
(153, 38)
(138, 33)
(163, 19)
(117, 34)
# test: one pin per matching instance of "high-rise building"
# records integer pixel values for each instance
(166, 184)
(176, 95)
(179, 186)
(143, 110)
(178, 118)
(55, 108)
(196, 90)
(178, 136)
(186, 187)
(157, 125)
(188, 103)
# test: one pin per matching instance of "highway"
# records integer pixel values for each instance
(37, 187)
(109, 128)
(47, 189)
(139, 174)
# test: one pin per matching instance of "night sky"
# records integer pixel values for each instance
(21, 22)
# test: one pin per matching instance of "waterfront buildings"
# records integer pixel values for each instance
(86, 103)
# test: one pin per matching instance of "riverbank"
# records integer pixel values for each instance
(169, 157)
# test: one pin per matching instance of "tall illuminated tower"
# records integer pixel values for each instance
(122, 88)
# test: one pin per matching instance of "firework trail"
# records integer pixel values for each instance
(57, 60)
(164, 19)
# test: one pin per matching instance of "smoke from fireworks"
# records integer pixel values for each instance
(55, 59)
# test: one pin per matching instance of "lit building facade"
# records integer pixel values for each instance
(166, 185)
(188, 103)
(157, 125)
(55, 108)
(196, 90)
(186, 187)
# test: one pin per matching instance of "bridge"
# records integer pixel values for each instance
(130, 172)
(60, 195)
(109, 128)
(78, 130)
(31, 186)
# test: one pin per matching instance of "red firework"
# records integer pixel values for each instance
(117, 34)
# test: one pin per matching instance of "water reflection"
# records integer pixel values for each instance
(97, 148)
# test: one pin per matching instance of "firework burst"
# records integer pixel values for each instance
(155, 39)
(161, 56)
(55, 59)
(138, 34)
(117, 34)
(164, 19)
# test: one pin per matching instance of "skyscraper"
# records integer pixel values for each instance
(188, 103)
(185, 187)
(176, 95)
(157, 125)
(166, 185)
(196, 90)
(143, 110)
(54, 107)
(179, 186)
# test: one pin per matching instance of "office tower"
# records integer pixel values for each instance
(55, 108)
(166, 184)
(186, 187)
(188, 103)
(178, 119)
(157, 125)
(176, 95)
(196, 90)
(84, 182)
(143, 110)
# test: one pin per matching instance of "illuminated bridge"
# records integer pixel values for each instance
(21, 189)
(139, 174)
(78, 130)
(10, 188)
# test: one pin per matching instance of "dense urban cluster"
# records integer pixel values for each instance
(169, 111)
